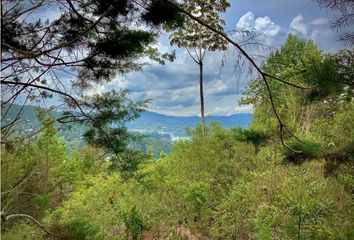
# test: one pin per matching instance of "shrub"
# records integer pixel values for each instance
(308, 150)
(77, 230)
(134, 224)
(250, 136)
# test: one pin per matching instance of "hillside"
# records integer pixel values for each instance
(284, 172)
(159, 130)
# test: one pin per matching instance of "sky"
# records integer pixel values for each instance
(174, 87)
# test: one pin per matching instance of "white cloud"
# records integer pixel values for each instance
(185, 94)
(297, 25)
(215, 87)
(244, 109)
(174, 87)
(246, 21)
(318, 30)
(218, 111)
(229, 110)
(263, 25)
(323, 36)
(96, 89)
(320, 21)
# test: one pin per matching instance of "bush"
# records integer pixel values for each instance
(233, 214)
(307, 150)
(250, 136)
(77, 230)
(22, 231)
(134, 224)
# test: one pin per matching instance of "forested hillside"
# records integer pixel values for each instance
(288, 175)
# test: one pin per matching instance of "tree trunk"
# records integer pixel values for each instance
(201, 96)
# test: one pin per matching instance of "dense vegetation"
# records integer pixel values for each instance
(221, 184)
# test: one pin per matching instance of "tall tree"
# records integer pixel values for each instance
(329, 77)
(198, 38)
(79, 44)
(110, 112)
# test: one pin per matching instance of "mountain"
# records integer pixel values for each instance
(159, 130)
(152, 123)
(148, 119)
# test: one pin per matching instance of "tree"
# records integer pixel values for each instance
(89, 40)
(109, 113)
(327, 77)
(31, 176)
(292, 61)
(95, 39)
(265, 76)
(195, 36)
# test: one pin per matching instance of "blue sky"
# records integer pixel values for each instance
(174, 87)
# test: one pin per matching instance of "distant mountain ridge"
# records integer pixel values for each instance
(146, 120)
(156, 119)
(160, 130)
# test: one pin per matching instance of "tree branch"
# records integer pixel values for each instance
(189, 53)
(5, 218)
(60, 46)
(94, 123)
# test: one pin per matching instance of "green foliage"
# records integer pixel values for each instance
(219, 184)
(38, 176)
(284, 202)
(305, 112)
(128, 162)
(112, 110)
(331, 75)
(102, 29)
(192, 35)
(32, 170)
(250, 136)
(215, 186)
(154, 143)
(308, 150)
(77, 230)
(197, 194)
(42, 203)
(347, 181)
(232, 216)
(335, 129)
(22, 231)
(134, 224)
(171, 17)
(109, 114)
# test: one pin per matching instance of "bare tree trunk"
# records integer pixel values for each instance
(198, 59)
(201, 95)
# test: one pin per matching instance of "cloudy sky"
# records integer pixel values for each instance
(174, 87)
